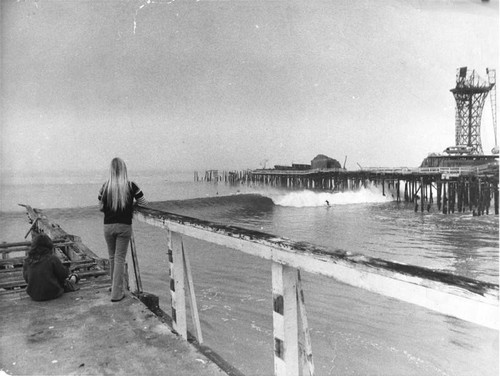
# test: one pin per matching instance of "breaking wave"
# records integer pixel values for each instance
(301, 199)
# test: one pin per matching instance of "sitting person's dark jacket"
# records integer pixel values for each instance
(43, 271)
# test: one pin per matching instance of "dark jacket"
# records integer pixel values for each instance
(45, 278)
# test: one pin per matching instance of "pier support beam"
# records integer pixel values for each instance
(423, 194)
(438, 193)
(495, 196)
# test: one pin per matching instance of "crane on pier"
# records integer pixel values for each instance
(470, 94)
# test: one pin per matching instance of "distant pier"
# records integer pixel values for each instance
(242, 176)
(453, 189)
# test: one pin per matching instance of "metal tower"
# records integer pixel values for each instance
(493, 97)
(470, 94)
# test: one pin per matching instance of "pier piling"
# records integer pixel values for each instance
(456, 188)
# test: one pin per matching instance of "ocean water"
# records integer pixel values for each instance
(353, 332)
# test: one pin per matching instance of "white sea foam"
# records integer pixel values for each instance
(305, 198)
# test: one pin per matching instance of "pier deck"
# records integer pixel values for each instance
(84, 333)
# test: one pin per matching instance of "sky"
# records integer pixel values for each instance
(235, 84)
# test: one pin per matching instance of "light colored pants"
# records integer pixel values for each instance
(117, 237)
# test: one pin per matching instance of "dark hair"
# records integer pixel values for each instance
(41, 246)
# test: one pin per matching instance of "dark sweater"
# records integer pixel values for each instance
(123, 215)
(45, 278)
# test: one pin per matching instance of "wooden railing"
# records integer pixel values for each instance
(297, 172)
(452, 295)
(379, 170)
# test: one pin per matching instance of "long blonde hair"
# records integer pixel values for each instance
(117, 189)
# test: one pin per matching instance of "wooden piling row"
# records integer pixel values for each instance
(223, 176)
(455, 192)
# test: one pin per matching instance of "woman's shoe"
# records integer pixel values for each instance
(77, 277)
(117, 300)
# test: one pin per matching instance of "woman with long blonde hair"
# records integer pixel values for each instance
(117, 197)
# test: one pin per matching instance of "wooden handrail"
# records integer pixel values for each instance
(465, 298)
(57, 242)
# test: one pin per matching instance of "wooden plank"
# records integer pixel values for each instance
(194, 306)
(78, 266)
(32, 227)
(457, 296)
(171, 276)
(72, 245)
(12, 261)
(290, 314)
(179, 298)
(6, 253)
(61, 255)
(5, 273)
(307, 354)
(16, 244)
(278, 325)
(285, 320)
(93, 273)
(6, 248)
(135, 262)
(278, 319)
(13, 283)
(42, 224)
(83, 264)
(13, 293)
(12, 279)
(82, 249)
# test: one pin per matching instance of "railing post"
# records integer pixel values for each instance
(285, 320)
(135, 262)
(307, 356)
(177, 288)
(180, 274)
(194, 306)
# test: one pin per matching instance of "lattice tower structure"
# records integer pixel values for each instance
(493, 98)
(470, 93)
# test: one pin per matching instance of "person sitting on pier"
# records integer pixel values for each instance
(45, 274)
(117, 198)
